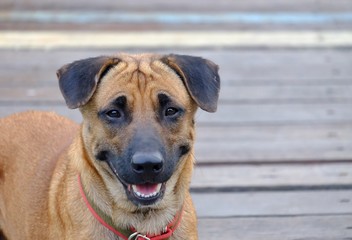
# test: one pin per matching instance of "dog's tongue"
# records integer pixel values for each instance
(147, 188)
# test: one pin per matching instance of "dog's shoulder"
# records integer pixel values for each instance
(36, 131)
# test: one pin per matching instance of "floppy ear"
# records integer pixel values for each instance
(78, 80)
(200, 77)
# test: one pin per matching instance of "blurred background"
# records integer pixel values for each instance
(275, 161)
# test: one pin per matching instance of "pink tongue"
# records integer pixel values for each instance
(147, 188)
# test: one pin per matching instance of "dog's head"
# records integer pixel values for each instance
(138, 118)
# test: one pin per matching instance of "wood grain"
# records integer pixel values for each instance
(273, 176)
(277, 228)
(273, 203)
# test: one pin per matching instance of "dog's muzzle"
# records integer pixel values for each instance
(146, 182)
(147, 166)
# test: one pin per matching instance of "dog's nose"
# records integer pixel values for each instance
(147, 164)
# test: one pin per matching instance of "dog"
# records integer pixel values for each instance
(125, 172)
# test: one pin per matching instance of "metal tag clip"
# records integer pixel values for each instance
(136, 236)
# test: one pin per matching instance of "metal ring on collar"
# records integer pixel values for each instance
(136, 236)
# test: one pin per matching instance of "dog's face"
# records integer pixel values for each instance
(138, 116)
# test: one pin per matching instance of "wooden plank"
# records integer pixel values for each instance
(296, 151)
(287, 203)
(272, 176)
(274, 133)
(176, 39)
(281, 66)
(34, 77)
(313, 142)
(229, 94)
(252, 5)
(258, 114)
(181, 5)
(237, 67)
(277, 228)
(286, 94)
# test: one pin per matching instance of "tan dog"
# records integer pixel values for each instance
(125, 172)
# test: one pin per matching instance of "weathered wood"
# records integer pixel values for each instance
(299, 150)
(287, 203)
(280, 94)
(237, 67)
(280, 66)
(181, 5)
(277, 228)
(199, 5)
(272, 176)
(229, 94)
(306, 142)
(274, 133)
(257, 114)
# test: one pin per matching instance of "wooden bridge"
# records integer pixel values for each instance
(275, 161)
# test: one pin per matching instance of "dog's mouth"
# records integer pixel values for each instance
(145, 194)
(142, 194)
(145, 191)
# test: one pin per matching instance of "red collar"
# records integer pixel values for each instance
(127, 234)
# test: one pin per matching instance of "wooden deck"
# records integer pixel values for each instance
(275, 161)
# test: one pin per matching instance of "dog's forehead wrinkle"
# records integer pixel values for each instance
(142, 81)
(150, 69)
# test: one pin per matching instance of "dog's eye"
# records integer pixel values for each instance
(171, 111)
(114, 114)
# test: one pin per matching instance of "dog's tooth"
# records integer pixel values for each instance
(142, 195)
(158, 188)
(134, 188)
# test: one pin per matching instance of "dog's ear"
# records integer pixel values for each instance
(78, 80)
(200, 77)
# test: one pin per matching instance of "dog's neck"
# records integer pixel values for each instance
(127, 233)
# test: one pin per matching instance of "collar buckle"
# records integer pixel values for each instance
(137, 236)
